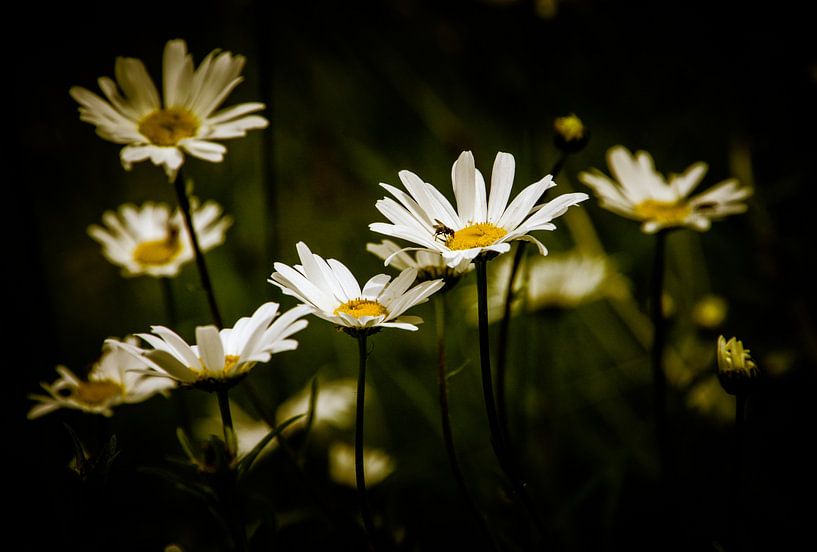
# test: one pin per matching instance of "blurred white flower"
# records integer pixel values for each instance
(330, 291)
(429, 265)
(334, 406)
(480, 224)
(184, 122)
(641, 193)
(149, 240)
(562, 280)
(377, 464)
(116, 378)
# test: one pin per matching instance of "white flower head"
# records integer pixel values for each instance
(430, 265)
(183, 121)
(641, 193)
(116, 378)
(481, 223)
(377, 464)
(220, 357)
(331, 292)
(150, 240)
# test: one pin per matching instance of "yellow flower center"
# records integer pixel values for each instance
(158, 252)
(665, 212)
(166, 127)
(476, 235)
(362, 307)
(96, 392)
(229, 362)
(570, 128)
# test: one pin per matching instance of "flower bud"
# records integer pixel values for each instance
(737, 372)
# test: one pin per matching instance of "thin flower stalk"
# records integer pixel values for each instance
(498, 440)
(445, 419)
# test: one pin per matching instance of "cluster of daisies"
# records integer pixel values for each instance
(441, 239)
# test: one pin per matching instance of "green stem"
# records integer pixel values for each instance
(204, 275)
(360, 476)
(498, 441)
(659, 379)
(230, 496)
(505, 321)
(169, 300)
(734, 495)
(448, 435)
(502, 339)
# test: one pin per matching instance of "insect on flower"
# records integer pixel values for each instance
(441, 231)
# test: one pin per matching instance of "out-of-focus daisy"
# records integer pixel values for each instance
(116, 378)
(481, 223)
(710, 311)
(560, 281)
(330, 291)
(429, 265)
(149, 240)
(220, 357)
(641, 193)
(377, 464)
(183, 120)
(334, 406)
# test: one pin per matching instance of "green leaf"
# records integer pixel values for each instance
(247, 461)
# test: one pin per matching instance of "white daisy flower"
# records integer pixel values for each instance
(220, 357)
(429, 265)
(564, 281)
(183, 121)
(377, 464)
(641, 193)
(149, 240)
(331, 292)
(425, 217)
(116, 378)
(334, 406)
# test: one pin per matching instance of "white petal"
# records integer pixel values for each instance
(210, 348)
(501, 184)
(463, 177)
(374, 287)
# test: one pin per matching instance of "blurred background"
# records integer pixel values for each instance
(355, 92)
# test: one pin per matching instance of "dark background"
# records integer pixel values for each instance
(356, 91)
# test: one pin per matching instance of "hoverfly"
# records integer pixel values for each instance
(442, 231)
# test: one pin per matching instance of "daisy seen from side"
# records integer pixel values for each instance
(219, 359)
(183, 120)
(115, 379)
(482, 223)
(151, 240)
(637, 191)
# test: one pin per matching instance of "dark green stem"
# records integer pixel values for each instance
(505, 321)
(448, 435)
(229, 490)
(204, 275)
(360, 476)
(659, 379)
(502, 339)
(498, 441)
(226, 418)
(734, 494)
(169, 300)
